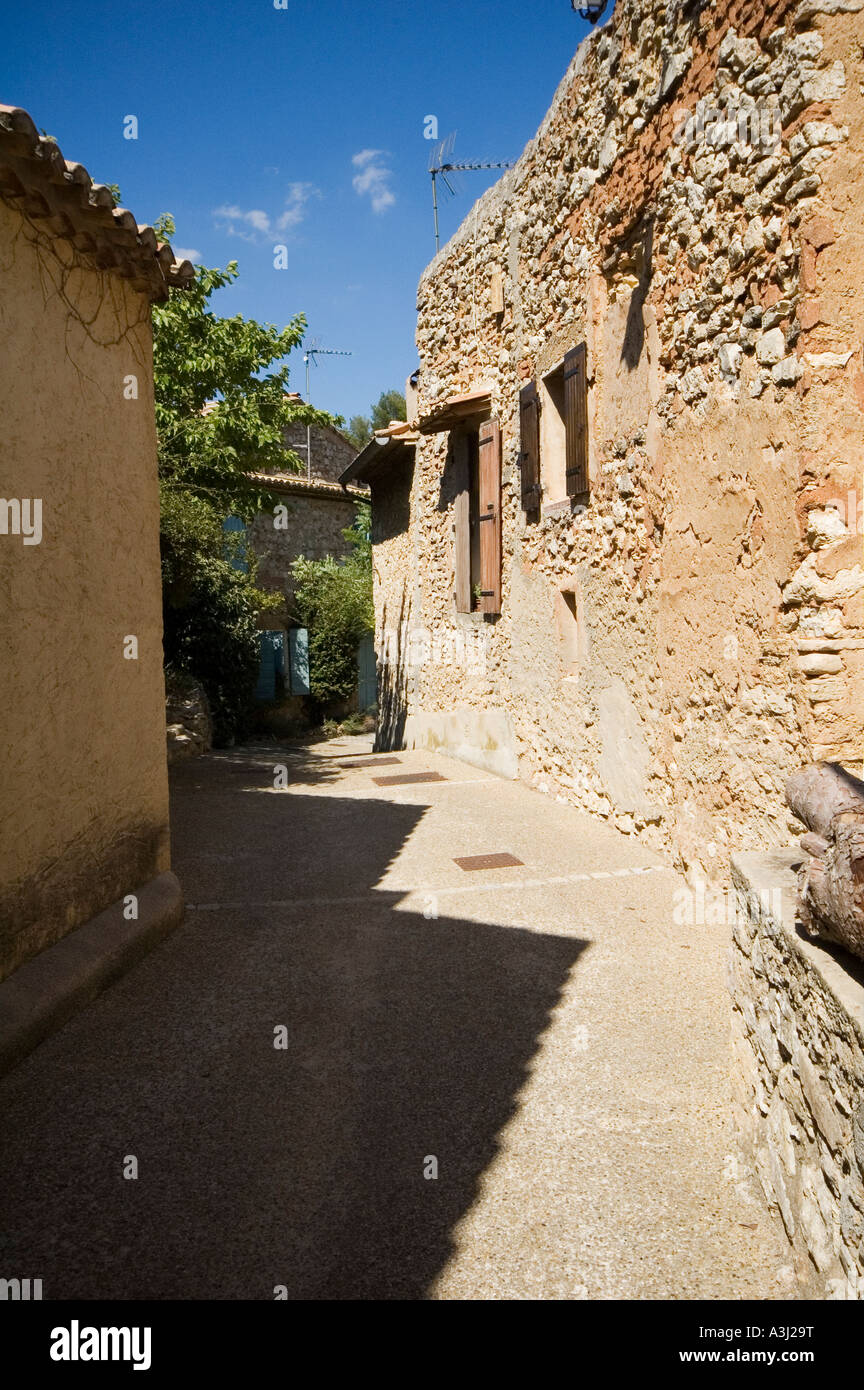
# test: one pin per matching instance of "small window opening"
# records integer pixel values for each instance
(570, 630)
(553, 437)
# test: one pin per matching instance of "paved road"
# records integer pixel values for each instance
(545, 1034)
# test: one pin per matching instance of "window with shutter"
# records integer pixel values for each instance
(477, 519)
(576, 419)
(489, 515)
(529, 445)
(235, 543)
(461, 525)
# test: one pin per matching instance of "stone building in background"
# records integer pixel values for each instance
(84, 786)
(316, 509)
(619, 554)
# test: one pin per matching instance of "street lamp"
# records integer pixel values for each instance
(590, 12)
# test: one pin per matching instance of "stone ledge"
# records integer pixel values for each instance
(771, 878)
(798, 1042)
(46, 991)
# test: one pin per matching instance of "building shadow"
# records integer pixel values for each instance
(408, 1035)
(634, 328)
(392, 680)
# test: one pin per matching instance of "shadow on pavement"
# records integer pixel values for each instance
(407, 1038)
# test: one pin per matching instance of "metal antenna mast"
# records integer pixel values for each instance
(309, 357)
(441, 164)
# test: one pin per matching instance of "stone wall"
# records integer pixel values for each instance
(84, 780)
(313, 528)
(331, 451)
(716, 277)
(189, 725)
(798, 1033)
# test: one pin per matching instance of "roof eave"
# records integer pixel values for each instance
(380, 453)
(455, 411)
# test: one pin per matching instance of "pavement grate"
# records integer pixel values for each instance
(402, 778)
(488, 861)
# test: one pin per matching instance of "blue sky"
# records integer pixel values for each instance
(310, 118)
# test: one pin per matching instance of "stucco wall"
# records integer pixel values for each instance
(84, 785)
(718, 287)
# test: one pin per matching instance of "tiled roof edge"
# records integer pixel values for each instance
(297, 482)
(39, 182)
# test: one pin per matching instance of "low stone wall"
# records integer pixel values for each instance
(189, 729)
(798, 1035)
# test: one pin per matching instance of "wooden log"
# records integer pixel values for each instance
(830, 802)
(831, 888)
(821, 792)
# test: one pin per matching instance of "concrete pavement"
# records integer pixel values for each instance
(544, 1035)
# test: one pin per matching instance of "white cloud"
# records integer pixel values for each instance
(185, 253)
(239, 223)
(373, 177)
(252, 223)
(295, 204)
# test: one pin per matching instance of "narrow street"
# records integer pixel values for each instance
(545, 1032)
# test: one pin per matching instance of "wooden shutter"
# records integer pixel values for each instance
(529, 446)
(576, 419)
(489, 518)
(461, 527)
(298, 660)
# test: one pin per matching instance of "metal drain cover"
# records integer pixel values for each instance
(403, 778)
(488, 861)
(372, 761)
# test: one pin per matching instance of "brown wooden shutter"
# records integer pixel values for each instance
(529, 445)
(489, 519)
(576, 419)
(461, 527)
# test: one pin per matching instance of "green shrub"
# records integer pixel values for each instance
(213, 636)
(333, 600)
(209, 611)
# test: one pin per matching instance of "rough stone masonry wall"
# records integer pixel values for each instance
(331, 451)
(315, 527)
(798, 1033)
(717, 570)
(84, 778)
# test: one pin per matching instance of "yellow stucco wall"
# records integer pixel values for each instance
(84, 786)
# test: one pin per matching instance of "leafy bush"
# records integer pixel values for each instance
(209, 611)
(213, 636)
(333, 600)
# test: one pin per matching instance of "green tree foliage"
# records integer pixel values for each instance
(358, 430)
(201, 359)
(390, 405)
(333, 600)
(205, 456)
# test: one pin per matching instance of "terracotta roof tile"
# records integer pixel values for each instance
(298, 482)
(36, 179)
(399, 429)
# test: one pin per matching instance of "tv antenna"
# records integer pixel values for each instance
(309, 357)
(441, 163)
